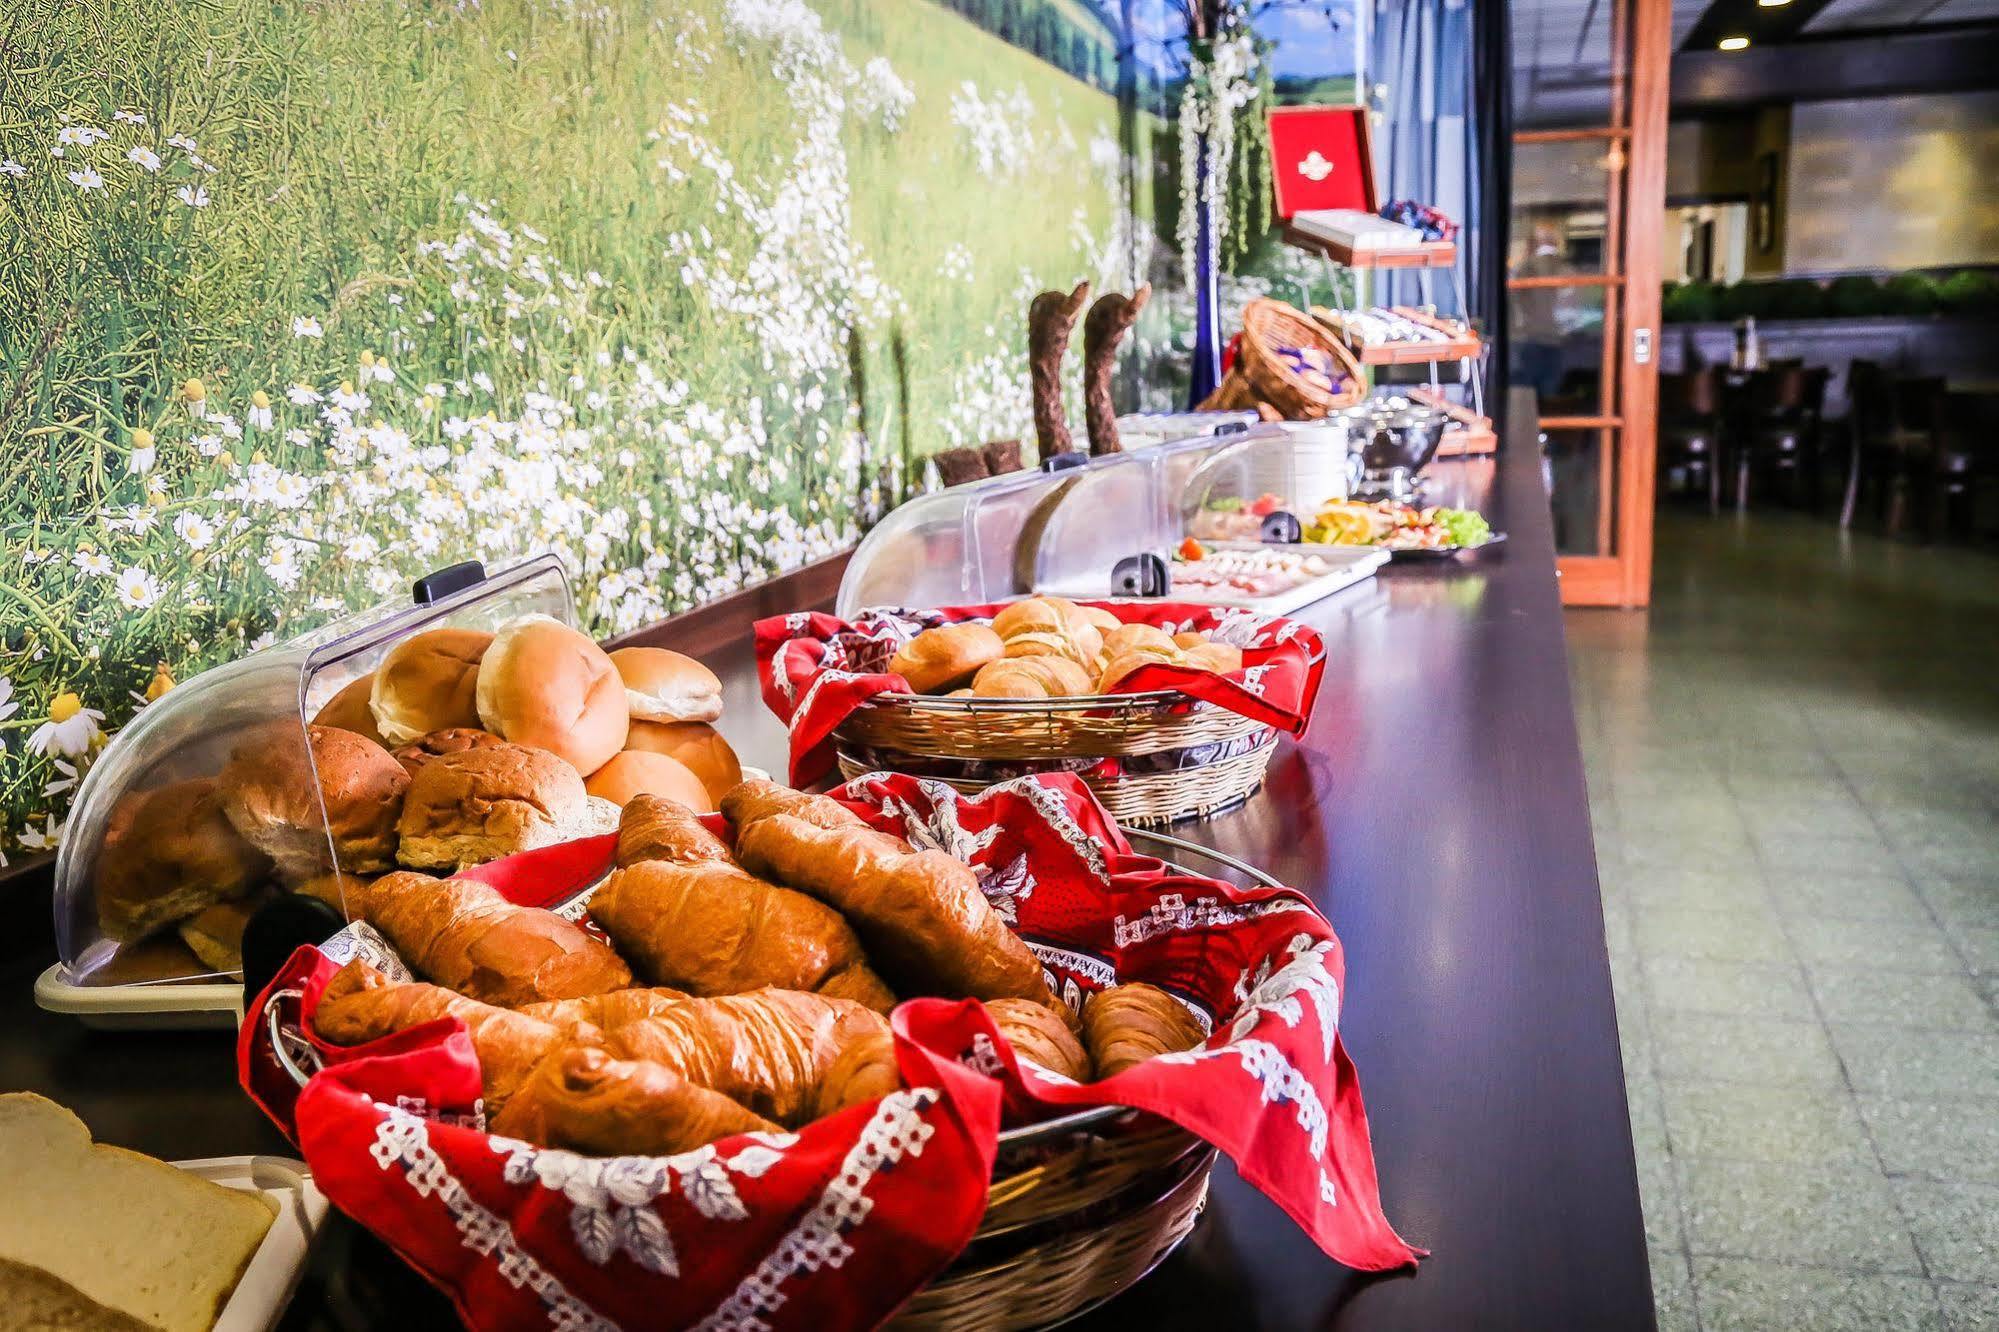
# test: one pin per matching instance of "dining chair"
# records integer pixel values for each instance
(1690, 430)
(1966, 453)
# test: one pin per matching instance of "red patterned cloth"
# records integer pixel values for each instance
(834, 1226)
(815, 669)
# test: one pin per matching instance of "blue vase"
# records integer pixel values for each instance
(1206, 372)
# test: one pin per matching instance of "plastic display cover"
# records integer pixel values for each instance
(1293, 469)
(152, 876)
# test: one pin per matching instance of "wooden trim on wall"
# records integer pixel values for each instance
(1645, 214)
(1565, 280)
(1591, 580)
(1613, 132)
(724, 624)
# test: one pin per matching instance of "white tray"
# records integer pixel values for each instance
(1350, 565)
(298, 1208)
(185, 1006)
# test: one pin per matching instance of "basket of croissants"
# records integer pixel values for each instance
(1165, 711)
(797, 1065)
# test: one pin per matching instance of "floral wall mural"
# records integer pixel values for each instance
(299, 302)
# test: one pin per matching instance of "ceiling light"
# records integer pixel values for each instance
(1771, 4)
(1732, 43)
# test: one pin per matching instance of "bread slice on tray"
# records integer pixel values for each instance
(123, 1230)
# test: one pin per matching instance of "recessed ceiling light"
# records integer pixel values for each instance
(1732, 43)
(1771, 4)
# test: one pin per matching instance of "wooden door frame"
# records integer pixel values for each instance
(1641, 84)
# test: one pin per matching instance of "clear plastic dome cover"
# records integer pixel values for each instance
(148, 848)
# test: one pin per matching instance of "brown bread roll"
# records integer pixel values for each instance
(1131, 1023)
(1031, 677)
(696, 744)
(177, 855)
(272, 791)
(760, 799)
(638, 772)
(1038, 1033)
(655, 828)
(436, 743)
(582, 1099)
(481, 804)
(349, 710)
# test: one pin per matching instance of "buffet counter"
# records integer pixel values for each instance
(1435, 811)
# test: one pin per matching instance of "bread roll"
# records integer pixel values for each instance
(1120, 664)
(1129, 1024)
(641, 772)
(666, 686)
(696, 744)
(754, 800)
(1139, 637)
(427, 683)
(1099, 618)
(349, 710)
(581, 1099)
(1189, 640)
(655, 828)
(157, 1244)
(1031, 677)
(1031, 615)
(158, 957)
(428, 746)
(177, 855)
(542, 683)
(216, 934)
(945, 657)
(268, 791)
(1220, 658)
(1039, 1033)
(482, 804)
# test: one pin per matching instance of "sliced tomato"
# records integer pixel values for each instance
(1266, 504)
(1191, 549)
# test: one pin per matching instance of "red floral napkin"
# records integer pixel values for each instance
(815, 668)
(834, 1226)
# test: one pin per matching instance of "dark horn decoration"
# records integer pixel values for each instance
(1109, 320)
(1050, 319)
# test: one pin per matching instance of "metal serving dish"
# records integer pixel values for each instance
(1392, 439)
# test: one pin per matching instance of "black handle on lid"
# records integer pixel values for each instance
(1232, 428)
(1142, 575)
(1282, 527)
(1062, 462)
(440, 583)
(275, 931)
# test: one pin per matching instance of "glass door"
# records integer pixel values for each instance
(1589, 155)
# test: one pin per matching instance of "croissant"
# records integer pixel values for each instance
(747, 802)
(463, 934)
(653, 827)
(1129, 1024)
(604, 1011)
(1032, 677)
(865, 1071)
(768, 1050)
(712, 928)
(583, 1100)
(1038, 1033)
(361, 1004)
(921, 914)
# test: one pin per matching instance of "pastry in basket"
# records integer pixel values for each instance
(767, 1050)
(1140, 638)
(360, 1004)
(1038, 1034)
(759, 799)
(666, 686)
(921, 915)
(466, 935)
(945, 657)
(588, 1014)
(96, 1237)
(637, 772)
(1131, 1023)
(426, 683)
(655, 828)
(175, 856)
(349, 710)
(1050, 626)
(1032, 677)
(481, 804)
(714, 928)
(285, 802)
(432, 744)
(583, 1099)
(542, 683)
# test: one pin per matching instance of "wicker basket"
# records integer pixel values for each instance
(1069, 1231)
(1067, 734)
(1260, 375)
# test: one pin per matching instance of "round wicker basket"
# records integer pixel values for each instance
(1260, 375)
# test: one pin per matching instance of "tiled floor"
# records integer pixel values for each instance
(1794, 774)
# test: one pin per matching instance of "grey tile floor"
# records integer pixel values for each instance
(1793, 763)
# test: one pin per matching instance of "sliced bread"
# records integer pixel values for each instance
(125, 1230)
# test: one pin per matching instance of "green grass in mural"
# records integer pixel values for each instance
(477, 281)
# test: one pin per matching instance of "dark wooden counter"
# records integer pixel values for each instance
(1436, 811)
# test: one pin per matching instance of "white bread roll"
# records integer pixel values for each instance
(427, 683)
(542, 683)
(666, 686)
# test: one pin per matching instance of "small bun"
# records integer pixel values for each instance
(1031, 615)
(1031, 677)
(696, 744)
(1221, 658)
(349, 710)
(481, 804)
(216, 933)
(426, 683)
(1189, 640)
(666, 686)
(176, 855)
(272, 790)
(1099, 618)
(947, 656)
(1036, 644)
(546, 685)
(454, 741)
(642, 772)
(1118, 665)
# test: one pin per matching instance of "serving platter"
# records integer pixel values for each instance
(1347, 565)
(1420, 554)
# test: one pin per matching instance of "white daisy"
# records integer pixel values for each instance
(137, 589)
(65, 778)
(305, 326)
(86, 179)
(93, 563)
(194, 196)
(70, 729)
(207, 445)
(129, 117)
(195, 530)
(12, 168)
(302, 395)
(299, 438)
(281, 566)
(143, 157)
(8, 707)
(81, 136)
(260, 410)
(181, 141)
(47, 838)
(143, 454)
